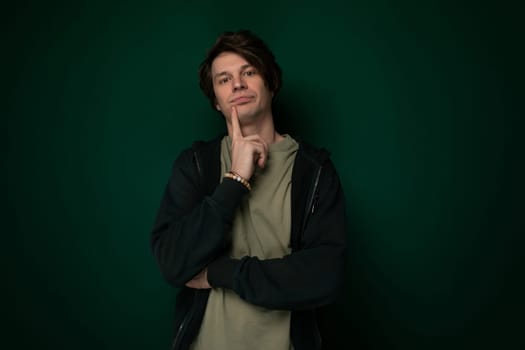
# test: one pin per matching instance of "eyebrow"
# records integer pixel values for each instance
(243, 67)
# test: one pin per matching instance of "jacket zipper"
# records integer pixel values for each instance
(181, 330)
(313, 199)
(310, 209)
(318, 333)
(189, 315)
(179, 333)
(197, 164)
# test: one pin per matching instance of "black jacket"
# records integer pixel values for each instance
(196, 214)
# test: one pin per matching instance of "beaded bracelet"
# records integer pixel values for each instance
(234, 176)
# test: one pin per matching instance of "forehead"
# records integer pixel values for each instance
(228, 62)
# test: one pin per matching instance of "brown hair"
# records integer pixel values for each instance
(252, 49)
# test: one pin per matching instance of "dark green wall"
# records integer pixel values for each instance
(417, 100)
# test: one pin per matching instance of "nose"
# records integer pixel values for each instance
(238, 83)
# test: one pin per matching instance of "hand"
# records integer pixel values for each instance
(200, 281)
(246, 151)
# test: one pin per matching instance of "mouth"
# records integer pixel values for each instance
(241, 100)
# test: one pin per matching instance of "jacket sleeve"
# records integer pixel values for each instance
(304, 279)
(190, 228)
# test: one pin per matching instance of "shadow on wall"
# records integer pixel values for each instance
(347, 323)
(301, 111)
(296, 109)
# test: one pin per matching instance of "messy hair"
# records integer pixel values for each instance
(252, 49)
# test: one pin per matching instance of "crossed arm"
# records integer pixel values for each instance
(189, 243)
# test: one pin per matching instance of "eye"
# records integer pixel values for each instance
(250, 72)
(223, 80)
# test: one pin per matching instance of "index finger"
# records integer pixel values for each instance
(236, 127)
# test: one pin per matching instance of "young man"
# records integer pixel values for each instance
(251, 225)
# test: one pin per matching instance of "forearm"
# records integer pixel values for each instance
(308, 277)
(302, 280)
(185, 240)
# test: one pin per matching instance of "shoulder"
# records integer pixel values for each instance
(209, 145)
(316, 159)
(318, 155)
(202, 148)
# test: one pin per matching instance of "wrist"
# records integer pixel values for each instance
(221, 272)
(244, 174)
(236, 177)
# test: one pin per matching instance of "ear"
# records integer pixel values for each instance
(218, 107)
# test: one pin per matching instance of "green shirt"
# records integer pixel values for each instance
(261, 228)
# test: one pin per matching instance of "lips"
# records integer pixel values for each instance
(242, 99)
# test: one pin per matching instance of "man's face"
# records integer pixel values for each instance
(238, 83)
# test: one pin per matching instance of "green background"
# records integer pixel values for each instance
(418, 101)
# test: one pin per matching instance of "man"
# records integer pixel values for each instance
(251, 225)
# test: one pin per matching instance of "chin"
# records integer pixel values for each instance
(250, 115)
(245, 111)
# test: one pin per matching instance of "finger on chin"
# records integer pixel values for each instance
(261, 162)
